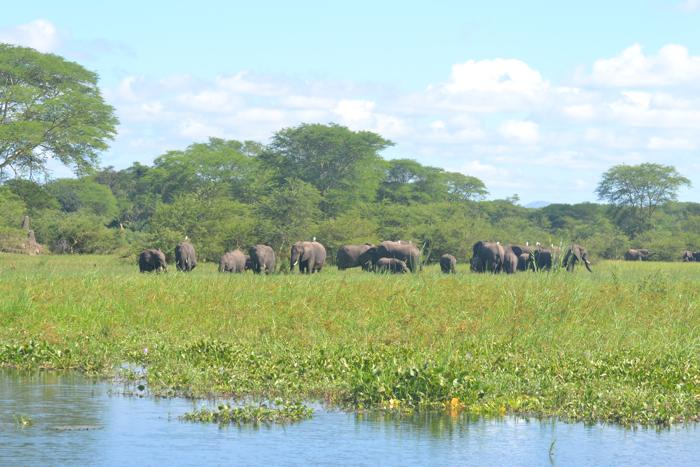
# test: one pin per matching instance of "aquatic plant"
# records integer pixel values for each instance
(225, 414)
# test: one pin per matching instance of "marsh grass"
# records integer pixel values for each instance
(621, 345)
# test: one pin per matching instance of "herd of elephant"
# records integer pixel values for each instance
(642, 254)
(388, 257)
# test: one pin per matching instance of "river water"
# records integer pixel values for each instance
(76, 421)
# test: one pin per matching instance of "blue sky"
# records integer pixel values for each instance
(536, 98)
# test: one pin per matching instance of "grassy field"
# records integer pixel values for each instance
(621, 345)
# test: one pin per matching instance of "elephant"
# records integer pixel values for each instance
(393, 265)
(185, 257)
(311, 256)
(262, 259)
(688, 257)
(476, 265)
(520, 249)
(490, 256)
(525, 262)
(350, 256)
(448, 264)
(152, 260)
(573, 254)
(405, 251)
(234, 261)
(510, 261)
(544, 259)
(640, 254)
(696, 255)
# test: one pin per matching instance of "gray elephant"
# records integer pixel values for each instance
(262, 259)
(525, 262)
(448, 264)
(574, 254)
(640, 254)
(351, 256)
(234, 261)
(405, 251)
(152, 260)
(310, 256)
(490, 256)
(543, 259)
(393, 265)
(185, 257)
(688, 257)
(510, 261)
(520, 249)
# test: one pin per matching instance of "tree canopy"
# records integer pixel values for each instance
(49, 108)
(640, 190)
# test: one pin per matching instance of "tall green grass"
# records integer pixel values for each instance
(621, 345)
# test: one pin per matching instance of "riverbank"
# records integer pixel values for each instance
(621, 345)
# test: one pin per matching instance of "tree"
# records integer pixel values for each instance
(219, 167)
(49, 108)
(637, 190)
(84, 194)
(343, 165)
(288, 214)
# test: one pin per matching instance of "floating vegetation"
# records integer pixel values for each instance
(23, 421)
(280, 413)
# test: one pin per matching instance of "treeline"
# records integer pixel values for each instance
(313, 180)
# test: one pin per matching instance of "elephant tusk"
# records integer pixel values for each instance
(295, 263)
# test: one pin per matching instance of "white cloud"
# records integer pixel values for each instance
(39, 34)
(672, 65)
(524, 131)
(486, 86)
(673, 144)
(690, 5)
(354, 111)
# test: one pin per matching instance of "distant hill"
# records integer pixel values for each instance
(537, 204)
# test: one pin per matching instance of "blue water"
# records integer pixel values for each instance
(76, 421)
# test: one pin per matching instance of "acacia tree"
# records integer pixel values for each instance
(637, 190)
(49, 108)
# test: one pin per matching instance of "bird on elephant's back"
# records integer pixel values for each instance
(310, 256)
(407, 252)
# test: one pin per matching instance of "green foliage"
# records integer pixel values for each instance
(290, 213)
(76, 232)
(12, 209)
(637, 191)
(282, 413)
(35, 196)
(83, 194)
(214, 225)
(343, 165)
(49, 108)
(407, 181)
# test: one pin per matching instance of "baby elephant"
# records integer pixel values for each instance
(393, 265)
(448, 264)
